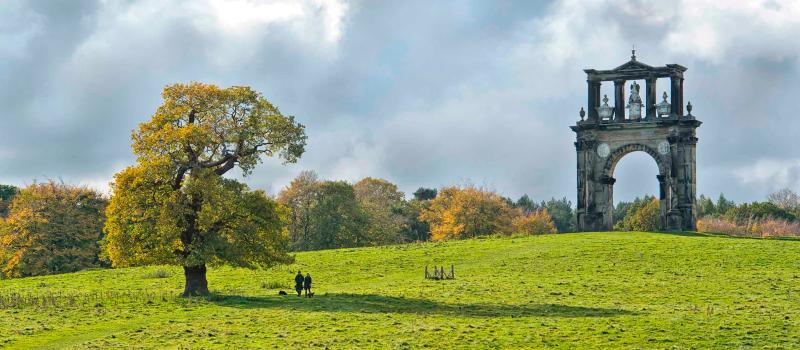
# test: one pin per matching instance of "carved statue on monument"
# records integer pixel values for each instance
(634, 102)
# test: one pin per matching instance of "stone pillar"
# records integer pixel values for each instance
(676, 83)
(593, 100)
(606, 200)
(580, 208)
(619, 100)
(650, 98)
(689, 142)
(663, 201)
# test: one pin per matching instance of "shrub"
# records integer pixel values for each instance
(534, 223)
(750, 228)
(744, 213)
(624, 209)
(643, 217)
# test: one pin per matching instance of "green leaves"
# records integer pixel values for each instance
(204, 126)
(174, 207)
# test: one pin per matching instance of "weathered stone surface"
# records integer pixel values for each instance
(671, 141)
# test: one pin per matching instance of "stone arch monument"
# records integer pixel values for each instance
(607, 133)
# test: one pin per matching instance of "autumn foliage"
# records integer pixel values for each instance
(174, 206)
(51, 228)
(469, 211)
(766, 227)
(535, 223)
(642, 216)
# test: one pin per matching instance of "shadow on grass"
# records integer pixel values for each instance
(371, 303)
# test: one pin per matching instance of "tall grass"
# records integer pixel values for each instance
(160, 273)
(750, 228)
(95, 299)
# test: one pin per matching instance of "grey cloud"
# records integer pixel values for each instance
(421, 93)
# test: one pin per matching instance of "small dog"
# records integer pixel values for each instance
(282, 292)
(311, 294)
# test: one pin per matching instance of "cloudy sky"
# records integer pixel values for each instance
(423, 93)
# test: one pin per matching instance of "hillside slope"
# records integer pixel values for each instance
(597, 290)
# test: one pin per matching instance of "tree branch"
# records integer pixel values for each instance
(209, 164)
(176, 185)
(229, 164)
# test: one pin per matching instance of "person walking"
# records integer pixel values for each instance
(307, 285)
(298, 283)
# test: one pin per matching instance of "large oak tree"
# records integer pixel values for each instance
(175, 207)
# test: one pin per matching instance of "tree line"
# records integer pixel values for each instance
(54, 227)
(718, 216)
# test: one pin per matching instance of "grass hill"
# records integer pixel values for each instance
(596, 290)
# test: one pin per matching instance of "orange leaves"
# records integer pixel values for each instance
(51, 228)
(464, 212)
(537, 222)
(469, 211)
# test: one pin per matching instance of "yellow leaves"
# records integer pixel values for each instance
(645, 218)
(174, 206)
(232, 224)
(537, 222)
(51, 228)
(202, 124)
(463, 212)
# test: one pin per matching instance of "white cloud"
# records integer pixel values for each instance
(771, 174)
(725, 31)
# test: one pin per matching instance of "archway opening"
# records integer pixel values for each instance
(636, 179)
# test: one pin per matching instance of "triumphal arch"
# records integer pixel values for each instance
(607, 133)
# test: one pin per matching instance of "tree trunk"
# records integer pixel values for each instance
(196, 283)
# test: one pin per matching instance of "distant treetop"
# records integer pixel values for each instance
(423, 193)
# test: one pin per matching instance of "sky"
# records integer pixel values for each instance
(421, 93)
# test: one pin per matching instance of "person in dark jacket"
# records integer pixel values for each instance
(298, 283)
(307, 285)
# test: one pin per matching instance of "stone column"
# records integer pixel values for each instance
(662, 199)
(676, 83)
(585, 154)
(619, 100)
(593, 100)
(690, 180)
(650, 99)
(606, 200)
(580, 208)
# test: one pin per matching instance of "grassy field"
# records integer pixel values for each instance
(596, 290)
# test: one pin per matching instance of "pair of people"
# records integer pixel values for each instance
(301, 283)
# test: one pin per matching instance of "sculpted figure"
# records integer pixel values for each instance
(634, 98)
